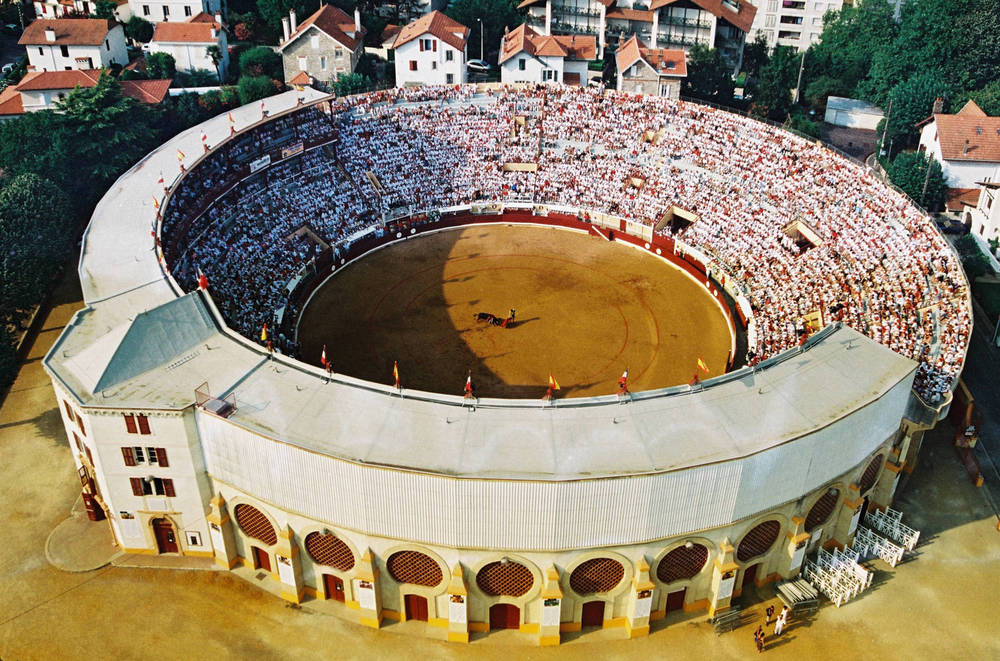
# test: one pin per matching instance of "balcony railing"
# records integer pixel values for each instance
(573, 10)
(685, 22)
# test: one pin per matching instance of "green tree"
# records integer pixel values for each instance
(978, 59)
(755, 55)
(772, 96)
(708, 76)
(36, 237)
(254, 88)
(912, 102)
(215, 55)
(909, 171)
(105, 9)
(350, 83)
(987, 98)
(139, 30)
(261, 61)
(272, 11)
(819, 90)
(495, 14)
(8, 358)
(161, 65)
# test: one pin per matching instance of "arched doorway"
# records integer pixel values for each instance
(415, 607)
(505, 616)
(166, 541)
(749, 576)
(593, 614)
(333, 587)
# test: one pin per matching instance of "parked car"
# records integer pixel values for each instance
(951, 226)
(478, 66)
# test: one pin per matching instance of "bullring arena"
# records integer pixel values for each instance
(821, 323)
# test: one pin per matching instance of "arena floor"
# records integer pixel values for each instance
(586, 310)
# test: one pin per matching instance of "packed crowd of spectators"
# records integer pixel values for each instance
(869, 257)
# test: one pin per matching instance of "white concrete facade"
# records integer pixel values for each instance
(983, 220)
(957, 173)
(795, 23)
(156, 11)
(193, 56)
(55, 9)
(59, 57)
(428, 60)
(526, 68)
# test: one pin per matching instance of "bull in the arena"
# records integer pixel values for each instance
(495, 320)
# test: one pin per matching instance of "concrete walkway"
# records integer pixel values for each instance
(79, 544)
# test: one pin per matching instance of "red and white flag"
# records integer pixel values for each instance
(623, 380)
(204, 137)
(180, 155)
(156, 202)
(231, 120)
(702, 365)
(395, 373)
(468, 383)
(322, 357)
(203, 282)
(160, 180)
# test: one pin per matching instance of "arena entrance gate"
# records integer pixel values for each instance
(675, 600)
(261, 560)
(505, 616)
(593, 614)
(749, 576)
(163, 530)
(334, 587)
(416, 607)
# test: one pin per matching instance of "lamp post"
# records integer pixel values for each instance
(480, 38)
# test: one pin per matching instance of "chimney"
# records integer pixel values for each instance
(357, 22)
(291, 18)
(218, 18)
(284, 28)
(214, 35)
(938, 105)
(965, 149)
(50, 35)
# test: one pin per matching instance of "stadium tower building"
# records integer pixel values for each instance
(542, 516)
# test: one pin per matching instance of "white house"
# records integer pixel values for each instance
(178, 11)
(58, 9)
(431, 51)
(653, 71)
(528, 57)
(324, 45)
(62, 44)
(966, 144)
(41, 90)
(983, 219)
(189, 41)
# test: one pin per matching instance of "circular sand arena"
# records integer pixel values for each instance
(585, 310)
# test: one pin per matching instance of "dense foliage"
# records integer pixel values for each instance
(496, 15)
(919, 177)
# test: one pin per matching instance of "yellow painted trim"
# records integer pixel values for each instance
(142, 551)
(312, 592)
(353, 605)
(458, 637)
(292, 596)
(200, 554)
(438, 622)
(893, 467)
(701, 604)
(770, 578)
(548, 641)
(480, 627)
(226, 564)
(570, 626)
(853, 504)
(398, 616)
(727, 566)
(529, 627)
(908, 467)
(643, 585)
(274, 576)
(657, 615)
(798, 520)
(638, 631)
(832, 544)
(371, 622)
(615, 622)
(801, 537)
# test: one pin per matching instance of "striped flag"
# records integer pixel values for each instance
(553, 384)
(156, 202)
(231, 120)
(702, 365)
(623, 380)
(160, 180)
(180, 155)
(263, 333)
(468, 383)
(322, 357)
(395, 373)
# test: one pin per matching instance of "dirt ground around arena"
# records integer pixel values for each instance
(585, 310)
(940, 605)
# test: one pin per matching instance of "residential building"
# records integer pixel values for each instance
(852, 113)
(966, 144)
(41, 90)
(654, 71)
(327, 43)
(983, 219)
(61, 8)
(529, 57)
(189, 42)
(795, 23)
(720, 24)
(62, 44)
(177, 11)
(431, 51)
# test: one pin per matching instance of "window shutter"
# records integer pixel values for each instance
(143, 424)
(79, 423)
(161, 457)
(129, 423)
(434, 45)
(69, 411)
(136, 483)
(128, 456)
(168, 487)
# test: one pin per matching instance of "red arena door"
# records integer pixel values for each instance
(505, 616)
(261, 560)
(334, 587)
(163, 530)
(593, 614)
(416, 607)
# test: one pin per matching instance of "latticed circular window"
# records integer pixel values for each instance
(758, 541)
(682, 563)
(327, 549)
(867, 480)
(414, 567)
(822, 510)
(511, 579)
(597, 575)
(254, 524)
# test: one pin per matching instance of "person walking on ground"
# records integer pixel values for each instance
(758, 639)
(770, 613)
(779, 625)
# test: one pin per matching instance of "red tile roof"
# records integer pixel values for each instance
(301, 78)
(969, 135)
(389, 33)
(437, 24)
(665, 61)
(956, 199)
(190, 31)
(527, 3)
(334, 23)
(524, 39)
(145, 91)
(69, 32)
(644, 16)
(10, 102)
(741, 18)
